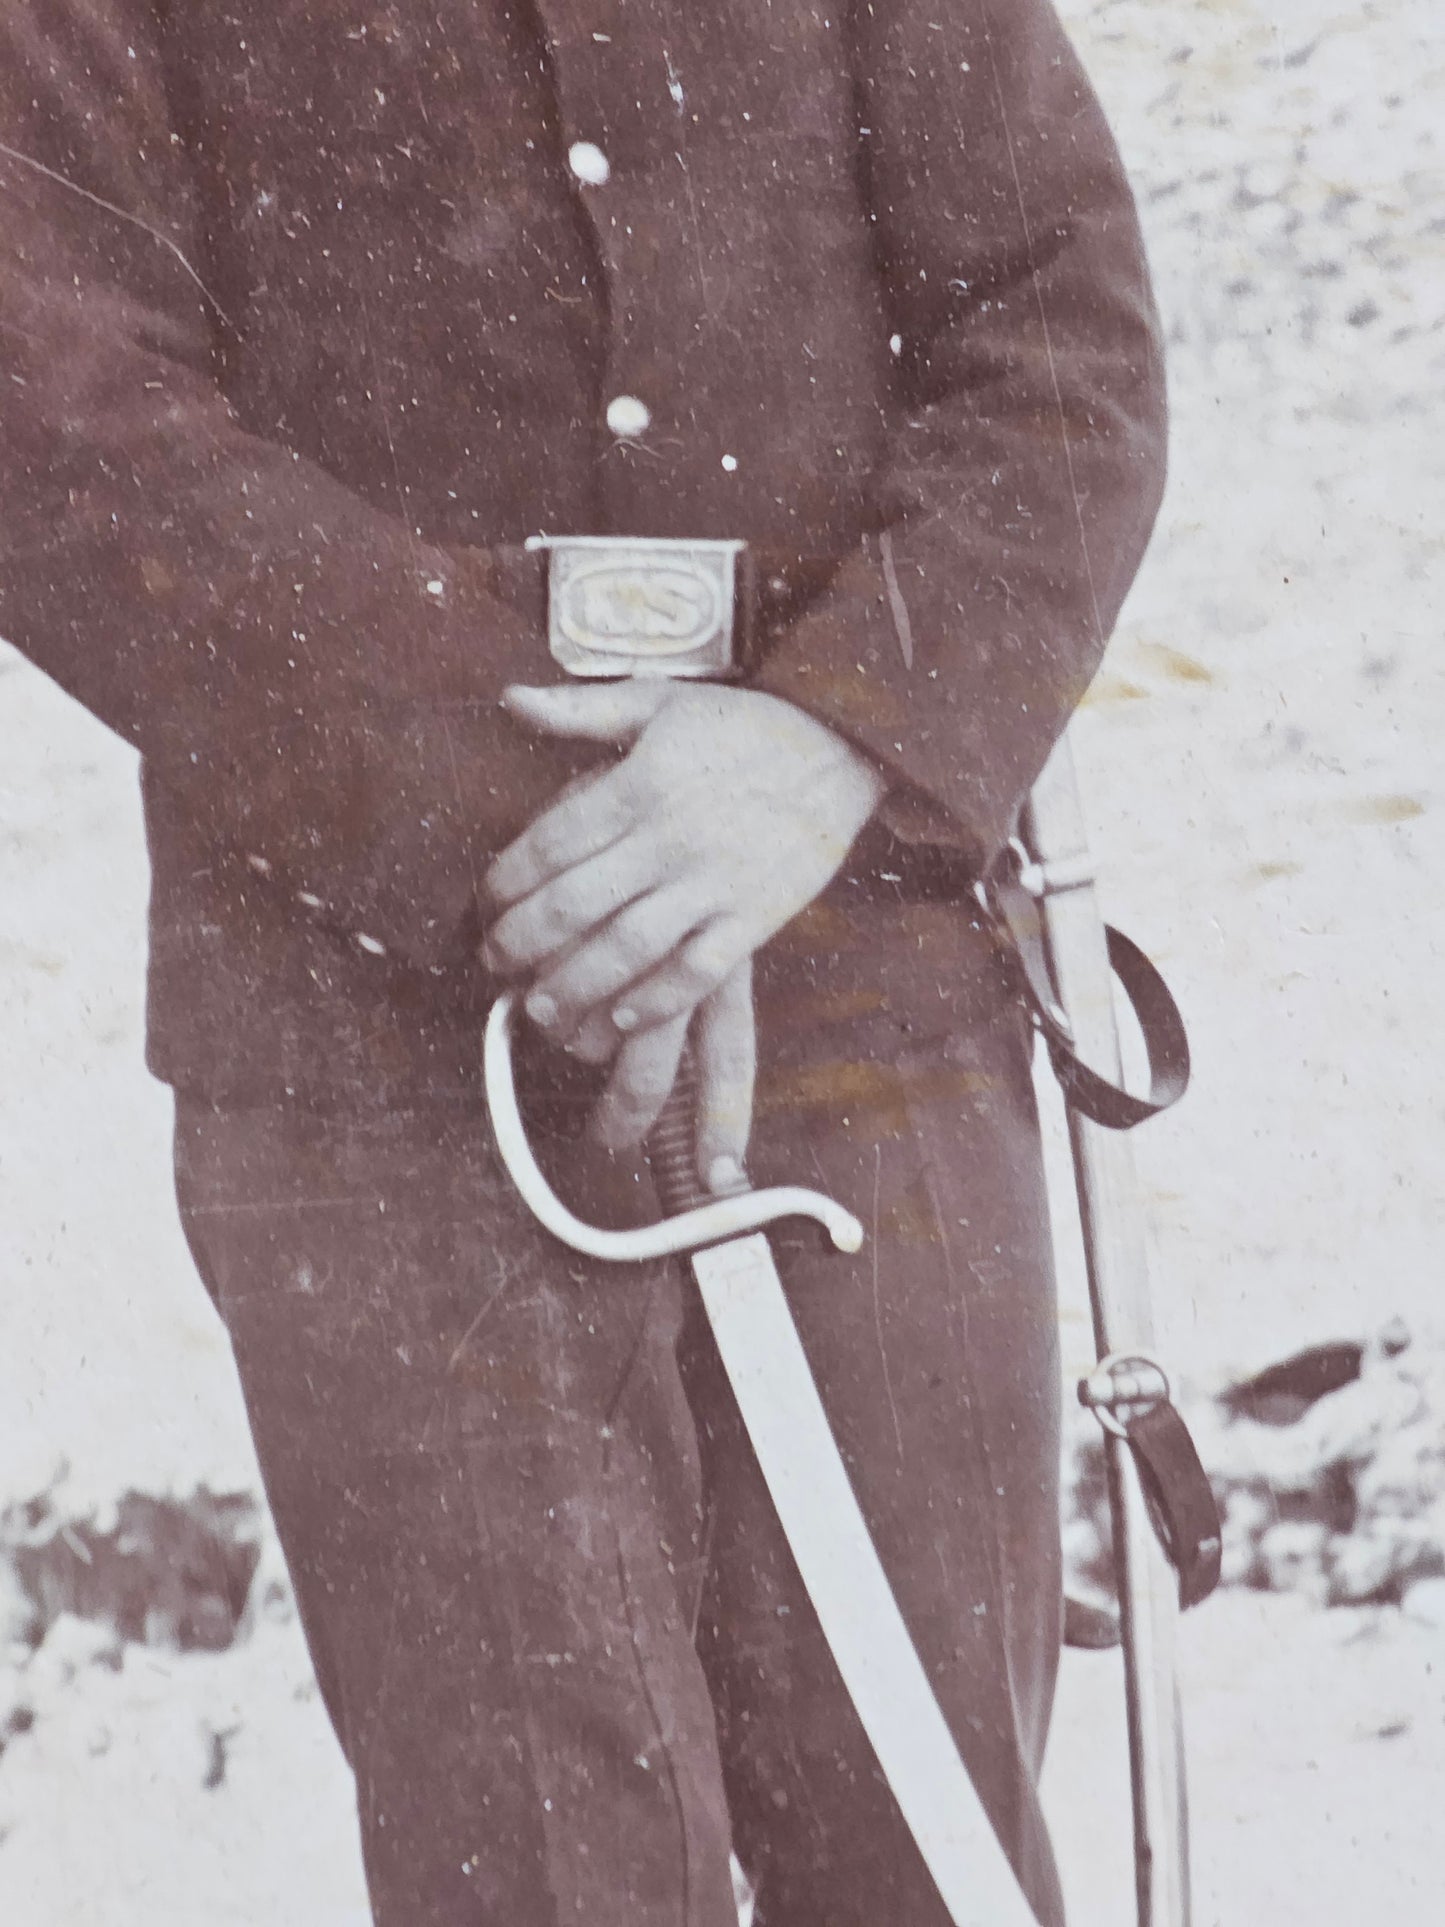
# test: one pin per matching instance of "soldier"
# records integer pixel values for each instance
(313, 314)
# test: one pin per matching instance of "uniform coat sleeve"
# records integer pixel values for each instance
(229, 608)
(1026, 463)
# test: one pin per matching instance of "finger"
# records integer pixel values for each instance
(596, 1039)
(685, 980)
(642, 1076)
(598, 712)
(725, 1045)
(694, 971)
(600, 968)
(582, 822)
(559, 914)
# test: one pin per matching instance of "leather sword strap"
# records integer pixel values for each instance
(1160, 1023)
(1178, 1495)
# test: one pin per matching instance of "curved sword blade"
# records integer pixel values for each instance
(845, 1580)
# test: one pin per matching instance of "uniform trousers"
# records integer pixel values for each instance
(555, 1623)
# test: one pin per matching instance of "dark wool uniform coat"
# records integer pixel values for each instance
(311, 313)
(307, 323)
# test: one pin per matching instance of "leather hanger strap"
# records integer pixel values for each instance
(1130, 1395)
(1179, 1497)
(1166, 1043)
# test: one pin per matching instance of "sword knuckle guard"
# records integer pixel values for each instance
(713, 1221)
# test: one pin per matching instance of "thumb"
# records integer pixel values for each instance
(725, 1045)
(598, 712)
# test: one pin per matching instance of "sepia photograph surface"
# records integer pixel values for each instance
(600, 606)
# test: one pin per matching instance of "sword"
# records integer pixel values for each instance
(628, 606)
(726, 1242)
(643, 606)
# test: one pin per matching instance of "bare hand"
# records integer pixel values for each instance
(638, 896)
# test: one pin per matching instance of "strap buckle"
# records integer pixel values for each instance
(1040, 877)
(624, 605)
(1121, 1384)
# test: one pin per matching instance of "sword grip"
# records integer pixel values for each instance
(672, 1144)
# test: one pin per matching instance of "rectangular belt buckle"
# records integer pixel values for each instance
(622, 605)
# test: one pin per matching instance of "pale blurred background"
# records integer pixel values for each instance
(1261, 759)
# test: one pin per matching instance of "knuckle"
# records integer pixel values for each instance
(634, 936)
(590, 1048)
(551, 921)
(704, 963)
(670, 845)
(615, 803)
(640, 1085)
(640, 788)
(664, 997)
(547, 846)
(628, 785)
(497, 883)
(502, 941)
(525, 943)
(566, 903)
(645, 1069)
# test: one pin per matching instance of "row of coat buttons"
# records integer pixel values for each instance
(627, 417)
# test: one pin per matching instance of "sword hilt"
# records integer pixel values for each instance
(712, 1221)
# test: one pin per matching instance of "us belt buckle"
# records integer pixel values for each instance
(622, 605)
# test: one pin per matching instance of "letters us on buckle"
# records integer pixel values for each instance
(640, 605)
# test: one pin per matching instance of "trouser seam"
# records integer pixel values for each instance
(664, 1748)
(518, 1673)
